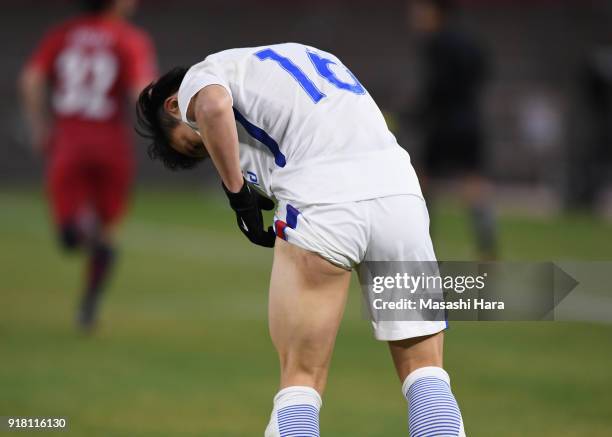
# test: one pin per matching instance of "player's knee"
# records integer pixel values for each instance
(70, 238)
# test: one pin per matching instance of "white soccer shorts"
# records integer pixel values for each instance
(394, 228)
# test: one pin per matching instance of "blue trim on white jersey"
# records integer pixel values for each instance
(292, 216)
(262, 136)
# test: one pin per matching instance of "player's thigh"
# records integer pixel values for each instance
(307, 299)
(67, 188)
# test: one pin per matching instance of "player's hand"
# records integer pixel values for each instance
(39, 139)
(248, 203)
(40, 145)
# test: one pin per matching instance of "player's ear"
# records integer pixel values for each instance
(171, 106)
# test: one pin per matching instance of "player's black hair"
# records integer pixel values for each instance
(95, 6)
(155, 124)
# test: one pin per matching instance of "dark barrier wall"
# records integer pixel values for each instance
(537, 52)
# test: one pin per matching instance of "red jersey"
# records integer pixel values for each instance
(94, 65)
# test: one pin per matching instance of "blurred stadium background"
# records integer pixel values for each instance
(183, 348)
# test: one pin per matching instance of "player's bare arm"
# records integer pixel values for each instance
(33, 92)
(212, 110)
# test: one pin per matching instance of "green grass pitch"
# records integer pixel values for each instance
(183, 349)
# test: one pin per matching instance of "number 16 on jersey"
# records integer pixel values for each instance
(322, 65)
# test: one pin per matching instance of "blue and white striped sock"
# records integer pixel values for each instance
(432, 408)
(295, 413)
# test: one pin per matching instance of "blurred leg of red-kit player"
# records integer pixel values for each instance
(88, 186)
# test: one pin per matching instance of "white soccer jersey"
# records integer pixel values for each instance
(309, 132)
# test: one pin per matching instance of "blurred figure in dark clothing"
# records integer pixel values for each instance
(591, 161)
(455, 71)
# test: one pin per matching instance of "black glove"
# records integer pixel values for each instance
(248, 203)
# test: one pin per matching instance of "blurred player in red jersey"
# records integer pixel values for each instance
(89, 68)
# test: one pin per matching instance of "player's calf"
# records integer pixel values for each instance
(432, 408)
(99, 266)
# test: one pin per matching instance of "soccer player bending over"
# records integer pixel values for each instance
(291, 123)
